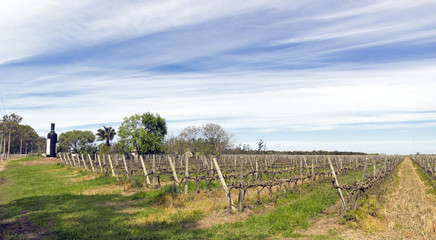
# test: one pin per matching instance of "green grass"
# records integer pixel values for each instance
(44, 198)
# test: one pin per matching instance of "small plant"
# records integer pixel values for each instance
(137, 183)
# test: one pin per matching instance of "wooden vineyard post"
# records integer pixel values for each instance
(301, 173)
(83, 160)
(187, 155)
(112, 166)
(62, 160)
(364, 170)
(224, 185)
(154, 171)
(313, 172)
(145, 171)
(69, 160)
(77, 159)
(125, 167)
(305, 164)
(173, 169)
(257, 170)
(337, 184)
(90, 161)
(374, 166)
(241, 180)
(99, 163)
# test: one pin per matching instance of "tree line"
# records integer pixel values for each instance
(146, 134)
(17, 138)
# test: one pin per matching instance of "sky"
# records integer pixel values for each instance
(300, 75)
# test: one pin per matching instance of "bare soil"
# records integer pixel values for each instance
(3, 165)
(19, 228)
(410, 213)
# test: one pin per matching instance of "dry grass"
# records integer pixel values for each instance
(111, 189)
(83, 178)
(173, 205)
(42, 161)
(409, 213)
(3, 165)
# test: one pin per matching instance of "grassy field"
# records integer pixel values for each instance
(41, 199)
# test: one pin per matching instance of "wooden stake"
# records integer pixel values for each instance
(224, 185)
(187, 155)
(241, 182)
(374, 166)
(112, 166)
(90, 161)
(173, 169)
(83, 160)
(99, 163)
(337, 184)
(154, 171)
(145, 170)
(125, 167)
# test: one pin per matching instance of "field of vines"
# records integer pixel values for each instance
(252, 175)
(428, 163)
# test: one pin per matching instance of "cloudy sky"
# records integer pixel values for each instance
(299, 74)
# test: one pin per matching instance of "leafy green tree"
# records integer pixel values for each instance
(106, 134)
(12, 118)
(77, 141)
(23, 137)
(144, 133)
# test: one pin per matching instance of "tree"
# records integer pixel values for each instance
(24, 138)
(261, 145)
(106, 134)
(217, 137)
(144, 133)
(77, 141)
(207, 139)
(12, 118)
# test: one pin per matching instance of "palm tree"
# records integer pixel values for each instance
(105, 134)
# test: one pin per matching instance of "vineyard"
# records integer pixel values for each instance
(248, 175)
(428, 163)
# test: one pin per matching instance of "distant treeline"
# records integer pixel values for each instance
(314, 152)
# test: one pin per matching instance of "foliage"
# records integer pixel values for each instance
(105, 134)
(77, 141)
(12, 118)
(261, 146)
(23, 137)
(144, 133)
(207, 139)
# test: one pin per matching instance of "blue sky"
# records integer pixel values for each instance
(301, 75)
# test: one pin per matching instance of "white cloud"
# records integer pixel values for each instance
(378, 98)
(35, 27)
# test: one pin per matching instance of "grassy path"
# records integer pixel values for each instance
(410, 212)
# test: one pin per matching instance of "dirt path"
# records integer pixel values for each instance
(3, 165)
(410, 213)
